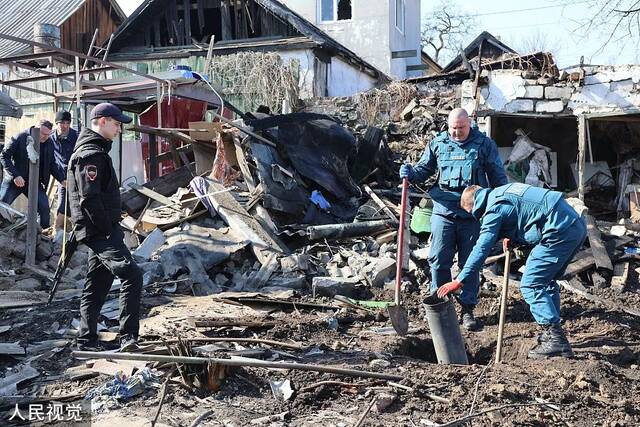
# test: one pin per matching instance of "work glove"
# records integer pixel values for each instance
(447, 288)
(406, 171)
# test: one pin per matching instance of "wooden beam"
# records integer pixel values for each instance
(153, 157)
(226, 32)
(582, 142)
(50, 76)
(32, 207)
(187, 21)
(598, 250)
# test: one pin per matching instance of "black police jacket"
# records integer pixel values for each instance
(92, 186)
(15, 160)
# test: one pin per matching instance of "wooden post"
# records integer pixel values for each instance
(32, 207)
(78, 89)
(582, 137)
(153, 157)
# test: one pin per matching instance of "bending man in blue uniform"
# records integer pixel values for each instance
(462, 157)
(533, 216)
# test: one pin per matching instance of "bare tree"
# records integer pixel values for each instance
(445, 28)
(618, 21)
(537, 41)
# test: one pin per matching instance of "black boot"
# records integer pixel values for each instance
(469, 322)
(552, 342)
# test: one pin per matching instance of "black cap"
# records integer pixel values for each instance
(107, 109)
(63, 116)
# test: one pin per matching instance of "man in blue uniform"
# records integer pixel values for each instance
(536, 217)
(462, 157)
(15, 161)
(64, 138)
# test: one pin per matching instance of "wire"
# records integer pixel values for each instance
(504, 12)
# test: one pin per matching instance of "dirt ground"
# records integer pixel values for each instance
(601, 386)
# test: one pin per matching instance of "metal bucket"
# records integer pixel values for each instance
(48, 34)
(445, 331)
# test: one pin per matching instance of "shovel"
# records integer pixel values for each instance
(397, 313)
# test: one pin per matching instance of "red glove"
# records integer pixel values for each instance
(447, 288)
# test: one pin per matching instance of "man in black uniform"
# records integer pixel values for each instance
(94, 204)
(15, 161)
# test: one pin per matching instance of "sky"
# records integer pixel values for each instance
(556, 21)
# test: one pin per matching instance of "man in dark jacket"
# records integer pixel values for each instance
(15, 161)
(94, 204)
(64, 139)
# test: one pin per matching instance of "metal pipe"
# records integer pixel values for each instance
(236, 361)
(351, 229)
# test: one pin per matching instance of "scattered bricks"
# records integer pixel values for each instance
(549, 106)
(332, 286)
(295, 263)
(518, 105)
(554, 92)
(534, 92)
(384, 400)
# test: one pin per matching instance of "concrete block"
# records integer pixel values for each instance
(534, 92)
(380, 270)
(332, 286)
(467, 89)
(550, 106)
(554, 92)
(407, 112)
(298, 262)
(518, 105)
(288, 282)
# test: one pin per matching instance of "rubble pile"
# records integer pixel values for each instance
(269, 265)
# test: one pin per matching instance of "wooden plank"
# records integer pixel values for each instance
(225, 27)
(152, 194)
(32, 208)
(153, 157)
(598, 250)
(380, 203)
(244, 166)
(584, 260)
(200, 6)
(133, 201)
(263, 275)
(187, 20)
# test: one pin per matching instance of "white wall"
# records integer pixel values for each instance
(306, 59)
(409, 39)
(366, 33)
(345, 80)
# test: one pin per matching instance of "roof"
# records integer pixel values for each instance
(19, 16)
(472, 48)
(287, 15)
(428, 60)
(9, 107)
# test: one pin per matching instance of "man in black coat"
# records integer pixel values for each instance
(94, 205)
(15, 161)
(64, 138)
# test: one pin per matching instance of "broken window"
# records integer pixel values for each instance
(400, 15)
(335, 10)
(344, 9)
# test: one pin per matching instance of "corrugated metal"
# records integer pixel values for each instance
(17, 18)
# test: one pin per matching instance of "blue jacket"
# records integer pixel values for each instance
(63, 147)
(15, 160)
(522, 213)
(474, 161)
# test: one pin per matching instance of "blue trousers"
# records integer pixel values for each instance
(547, 262)
(9, 192)
(448, 236)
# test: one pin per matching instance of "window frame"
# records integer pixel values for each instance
(404, 13)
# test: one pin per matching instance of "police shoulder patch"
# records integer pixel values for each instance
(92, 172)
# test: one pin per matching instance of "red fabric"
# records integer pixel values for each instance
(177, 115)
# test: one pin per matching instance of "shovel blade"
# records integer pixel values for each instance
(399, 319)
